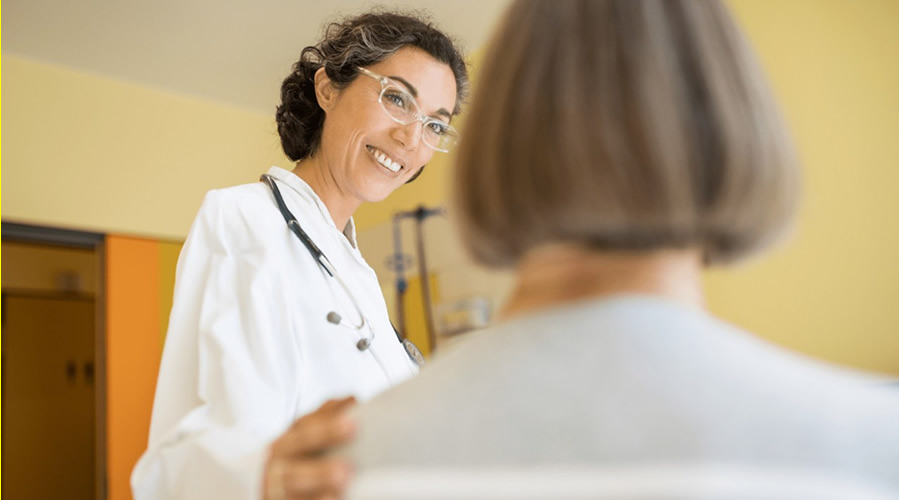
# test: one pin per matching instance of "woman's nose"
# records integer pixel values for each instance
(408, 135)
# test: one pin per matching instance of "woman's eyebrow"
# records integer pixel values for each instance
(412, 89)
(414, 92)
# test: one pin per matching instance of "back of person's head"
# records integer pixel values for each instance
(355, 42)
(622, 125)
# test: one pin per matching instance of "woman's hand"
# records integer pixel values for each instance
(297, 467)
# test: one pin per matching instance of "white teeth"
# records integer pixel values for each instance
(385, 160)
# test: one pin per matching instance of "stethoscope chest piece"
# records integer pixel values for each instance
(413, 352)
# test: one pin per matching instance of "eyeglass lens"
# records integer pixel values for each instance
(401, 106)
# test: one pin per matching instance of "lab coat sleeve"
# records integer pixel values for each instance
(226, 380)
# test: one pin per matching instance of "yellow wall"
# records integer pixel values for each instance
(168, 262)
(86, 152)
(832, 291)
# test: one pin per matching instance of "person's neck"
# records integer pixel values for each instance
(339, 203)
(555, 274)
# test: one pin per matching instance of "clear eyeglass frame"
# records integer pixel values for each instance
(402, 108)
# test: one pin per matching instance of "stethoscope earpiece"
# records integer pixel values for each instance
(363, 344)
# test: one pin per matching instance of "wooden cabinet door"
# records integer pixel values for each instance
(48, 396)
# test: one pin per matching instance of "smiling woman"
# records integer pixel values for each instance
(262, 332)
(366, 151)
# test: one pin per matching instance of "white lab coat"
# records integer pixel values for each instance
(249, 348)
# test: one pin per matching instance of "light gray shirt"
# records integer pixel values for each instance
(633, 380)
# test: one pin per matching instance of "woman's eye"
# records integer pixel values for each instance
(437, 128)
(397, 99)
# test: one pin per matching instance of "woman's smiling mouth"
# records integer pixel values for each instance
(385, 160)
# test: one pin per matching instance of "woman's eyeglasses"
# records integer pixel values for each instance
(402, 107)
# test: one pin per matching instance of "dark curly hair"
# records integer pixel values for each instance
(357, 41)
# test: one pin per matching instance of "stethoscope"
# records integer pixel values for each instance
(333, 317)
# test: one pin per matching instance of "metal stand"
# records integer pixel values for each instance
(399, 263)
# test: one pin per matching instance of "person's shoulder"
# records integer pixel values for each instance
(417, 410)
(237, 218)
(242, 198)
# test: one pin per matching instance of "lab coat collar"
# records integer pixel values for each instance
(300, 186)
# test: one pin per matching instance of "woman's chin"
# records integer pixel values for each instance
(377, 195)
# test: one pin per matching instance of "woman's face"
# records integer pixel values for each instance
(357, 131)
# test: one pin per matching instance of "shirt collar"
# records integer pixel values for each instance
(304, 190)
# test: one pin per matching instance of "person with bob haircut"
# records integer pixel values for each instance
(613, 150)
(276, 313)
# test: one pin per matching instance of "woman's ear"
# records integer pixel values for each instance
(325, 92)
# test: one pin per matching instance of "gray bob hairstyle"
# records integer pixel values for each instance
(622, 125)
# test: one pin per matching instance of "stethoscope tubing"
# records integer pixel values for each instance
(316, 252)
(365, 342)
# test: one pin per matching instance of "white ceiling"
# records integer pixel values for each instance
(231, 51)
